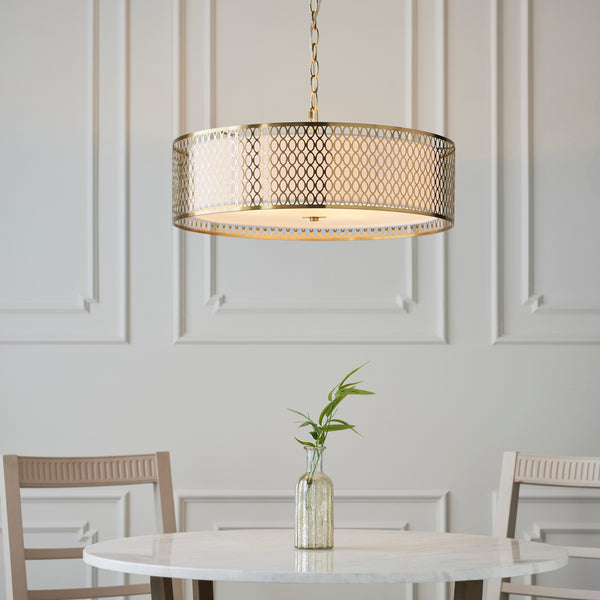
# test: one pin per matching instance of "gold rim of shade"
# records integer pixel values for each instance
(312, 124)
(307, 234)
(248, 172)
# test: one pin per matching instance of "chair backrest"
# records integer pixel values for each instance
(36, 472)
(563, 471)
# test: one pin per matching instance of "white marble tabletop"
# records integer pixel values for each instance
(359, 556)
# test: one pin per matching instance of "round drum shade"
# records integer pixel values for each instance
(313, 181)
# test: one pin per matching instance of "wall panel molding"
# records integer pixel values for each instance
(99, 314)
(540, 531)
(547, 496)
(532, 303)
(216, 307)
(117, 497)
(84, 531)
(546, 511)
(83, 300)
(81, 531)
(435, 501)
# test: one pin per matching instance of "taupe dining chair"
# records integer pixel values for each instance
(35, 472)
(562, 471)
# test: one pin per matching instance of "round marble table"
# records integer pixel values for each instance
(359, 556)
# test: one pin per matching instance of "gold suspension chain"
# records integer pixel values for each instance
(313, 113)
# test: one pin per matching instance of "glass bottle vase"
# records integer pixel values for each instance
(314, 505)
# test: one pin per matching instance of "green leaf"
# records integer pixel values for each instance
(341, 422)
(352, 373)
(315, 435)
(336, 402)
(338, 397)
(325, 412)
(337, 427)
(353, 383)
(305, 443)
(299, 413)
(361, 393)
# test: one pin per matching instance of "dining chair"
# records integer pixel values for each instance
(562, 471)
(36, 472)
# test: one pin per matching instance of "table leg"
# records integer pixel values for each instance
(203, 590)
(468, 590)
(161, 588)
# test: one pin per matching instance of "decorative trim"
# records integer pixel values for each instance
(110, 470)
(216, 301)
(538, 534)
(401, 303)
(545, 496)
(227, 525)
(555, 470)
(93, 153)
(178, 113)
(85, 533)
(441, 263)
(410, 89)
(528, 297)
(533, 301)
(496, 265)
(546, 339)
(437, 497)
(539, 530)
(410, 590)
(84, 301)
(126, 172)
(179, 124)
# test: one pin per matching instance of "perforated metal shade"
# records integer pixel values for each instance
(313, 181)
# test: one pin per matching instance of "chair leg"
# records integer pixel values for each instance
(161, 588)
(468, 590)
(203, 590)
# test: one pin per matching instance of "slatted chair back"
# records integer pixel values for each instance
(44, 472)
(562, 471)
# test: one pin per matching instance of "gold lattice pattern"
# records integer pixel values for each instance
(223, 179)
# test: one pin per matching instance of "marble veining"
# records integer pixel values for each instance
(359, 556)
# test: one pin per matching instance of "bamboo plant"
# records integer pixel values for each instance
(328, 421)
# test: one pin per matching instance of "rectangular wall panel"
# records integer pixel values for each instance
(544, 187)
(565, 517)
(59, 518)
(402, 510)
(228, 290)
(63, 177)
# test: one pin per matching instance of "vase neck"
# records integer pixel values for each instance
(314, 459)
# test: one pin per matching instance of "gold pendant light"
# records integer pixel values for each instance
(313, 180)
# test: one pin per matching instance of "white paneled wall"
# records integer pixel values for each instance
(64, 180)
(480, 340)
(545, 130)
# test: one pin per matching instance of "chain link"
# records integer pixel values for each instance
(313, 113)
